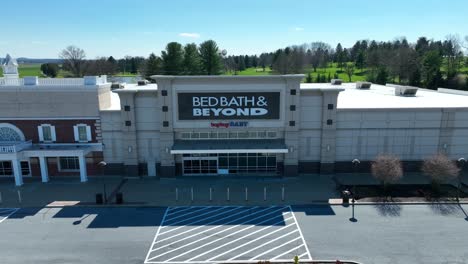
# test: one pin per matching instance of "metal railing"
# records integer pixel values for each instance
(13, 147)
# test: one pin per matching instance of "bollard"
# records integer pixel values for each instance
(177, 194)
(20, 200)
(227, 194)
(246, 194)
(264, 193)
(191, 193)
(282, 194)
(211, 196)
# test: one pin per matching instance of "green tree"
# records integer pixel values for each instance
(50, 69)
(309, 78)
(318, 78)
(349, 70)
(382, 76)
(432, 62)
(360, 60)
(339, 56)
(152, 66)
(192, 60)
(173, 59)
(210, 58)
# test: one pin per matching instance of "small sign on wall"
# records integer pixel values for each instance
(229, 124)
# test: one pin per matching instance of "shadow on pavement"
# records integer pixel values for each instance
(386, 207)
(447, 209)
(113, 217)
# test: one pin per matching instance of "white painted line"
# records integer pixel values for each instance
(275, 248)
(191, 223)
(262, 245)
(300, 233)
(13, 210)
(189, 213)
(157, 233)
(250, 220)
(191, 230)
(304, 255)
(207, 243)
(209, 212)
(213, 235)
(245, 237)
(180, 211)
(287, 252)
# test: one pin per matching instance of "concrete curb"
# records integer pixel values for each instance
(152, 205)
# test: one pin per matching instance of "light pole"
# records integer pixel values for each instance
(102, 165)
(356, 163)
(461, 163)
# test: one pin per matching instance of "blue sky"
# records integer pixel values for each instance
(40, 29)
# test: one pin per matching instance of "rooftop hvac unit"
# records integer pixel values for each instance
(336, 81)
(405, 90)
(363, 85)
(117, 85)
(142, 82)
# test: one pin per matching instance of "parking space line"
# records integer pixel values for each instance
(190, 230)
(287, 252)
(192, 212)
(10, 212)
(282, 245)
(302, 236)
(179, 211)
(224, 230)
(204, 245)
(251, 241)
(157, 233)
(232, 237)
(252, 249)
(191, 223)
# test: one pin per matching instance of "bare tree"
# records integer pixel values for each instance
(349, 70)
(439, 168)
(73, 59)
(387, 169)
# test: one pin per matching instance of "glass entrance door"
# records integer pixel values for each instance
(200, 165)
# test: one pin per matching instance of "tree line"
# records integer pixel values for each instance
(191, 59)
(425, 63)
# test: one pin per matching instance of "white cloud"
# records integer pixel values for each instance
(189, 35)
(298, 29)
(38, 42)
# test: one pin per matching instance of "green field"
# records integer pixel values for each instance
(33, 69)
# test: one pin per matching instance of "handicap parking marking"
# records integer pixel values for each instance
(213, 234)
(7, 212)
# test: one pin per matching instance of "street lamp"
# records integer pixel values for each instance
(356, 163)
(102, 165)
(461, 163)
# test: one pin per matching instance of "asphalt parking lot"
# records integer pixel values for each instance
(429, 234)
(227, 233)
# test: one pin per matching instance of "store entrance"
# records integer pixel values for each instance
(200, 165)
(229, 163)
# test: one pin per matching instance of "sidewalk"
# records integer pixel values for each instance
(150, 191)
(297, 190)
(34, 193)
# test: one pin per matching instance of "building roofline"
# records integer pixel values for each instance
(227, 77)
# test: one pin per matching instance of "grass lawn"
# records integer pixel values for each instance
(30, 69)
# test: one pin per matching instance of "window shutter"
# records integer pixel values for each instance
(75, 133)
(52, 133)
(88, 133)
(39, 131)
